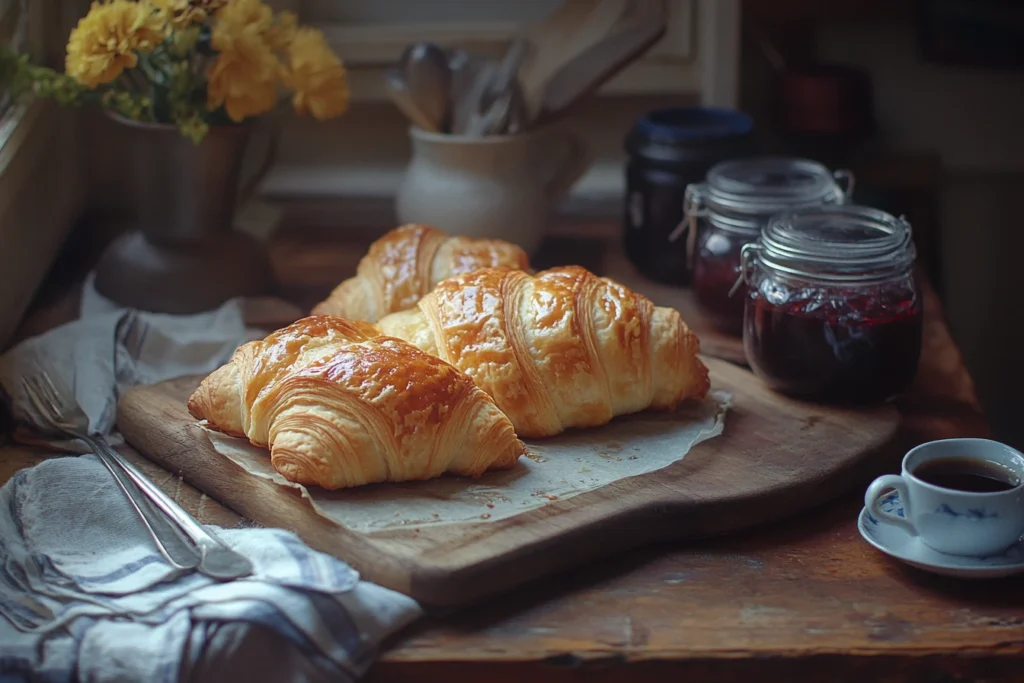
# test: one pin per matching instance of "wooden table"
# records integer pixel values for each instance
(807, 599)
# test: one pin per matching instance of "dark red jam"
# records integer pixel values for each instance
(714, 275)
(835, 346)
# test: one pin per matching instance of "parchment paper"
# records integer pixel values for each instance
(553, 469)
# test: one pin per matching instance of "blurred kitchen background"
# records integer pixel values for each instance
(930, 119)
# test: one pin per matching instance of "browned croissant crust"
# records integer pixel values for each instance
(406, 263)
(340, 405)
(557, 350)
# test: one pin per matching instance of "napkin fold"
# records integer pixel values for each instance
(110, 348)
(84, 594)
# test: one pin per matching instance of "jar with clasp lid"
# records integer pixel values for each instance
(832, 311)
(729, 209)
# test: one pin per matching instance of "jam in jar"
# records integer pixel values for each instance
(729, 209)
(832, 310)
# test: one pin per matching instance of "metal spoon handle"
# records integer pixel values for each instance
(508, 68)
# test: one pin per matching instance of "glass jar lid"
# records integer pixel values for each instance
(767, 185)
(740, 195)
(837, 242)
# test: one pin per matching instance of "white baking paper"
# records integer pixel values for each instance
(553, 469)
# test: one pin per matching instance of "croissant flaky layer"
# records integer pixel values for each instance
(406, 263)
(560, 349)
(340, 405)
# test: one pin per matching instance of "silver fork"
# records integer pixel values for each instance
(207, 553)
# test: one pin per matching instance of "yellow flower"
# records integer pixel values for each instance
(245, 14)
(108, 39)
(316, 75)
(282, 33)
(243, 78)
(181, 14)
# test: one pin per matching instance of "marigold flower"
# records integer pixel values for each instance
(282, 33)
(180, 14)
(316, 75)
(243, 77)
(245, 14)
(108, 39)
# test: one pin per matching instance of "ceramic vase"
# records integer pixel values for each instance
(184, 255)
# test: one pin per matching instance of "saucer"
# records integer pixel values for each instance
(896, 541)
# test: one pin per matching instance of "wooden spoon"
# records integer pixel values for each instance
(428, 80)
(570, 30)
(400, 95)
(596, 65)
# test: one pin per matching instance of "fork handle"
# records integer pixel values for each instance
(217, 560)
(169, 541)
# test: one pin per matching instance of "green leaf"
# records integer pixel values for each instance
(161, 105)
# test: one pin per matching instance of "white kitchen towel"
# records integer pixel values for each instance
(109, 349)
(87, 597)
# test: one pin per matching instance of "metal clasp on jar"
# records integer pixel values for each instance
(692, 210)
(748, 252)
(845, 180)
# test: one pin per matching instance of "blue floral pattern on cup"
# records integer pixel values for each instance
(973, 513)
(892, 504)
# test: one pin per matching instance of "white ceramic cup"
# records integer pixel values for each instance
(950, 521)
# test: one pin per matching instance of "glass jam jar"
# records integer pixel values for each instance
(832, 312)
(729, 209)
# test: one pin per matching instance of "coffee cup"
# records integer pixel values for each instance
(960, 496)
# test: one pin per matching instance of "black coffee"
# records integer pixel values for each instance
(967, 474)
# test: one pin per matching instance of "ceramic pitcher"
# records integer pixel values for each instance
(501, 187)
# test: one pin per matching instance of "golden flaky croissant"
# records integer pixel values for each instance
(560, 349)
(406, 263)
(339, 405)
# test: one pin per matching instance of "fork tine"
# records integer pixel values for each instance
(48, 393)
(56, 395)
(31, 389)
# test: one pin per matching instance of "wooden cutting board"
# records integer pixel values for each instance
(776, 456)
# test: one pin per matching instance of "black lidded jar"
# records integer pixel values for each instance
(668, 150)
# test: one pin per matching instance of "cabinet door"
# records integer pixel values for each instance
(371, 34)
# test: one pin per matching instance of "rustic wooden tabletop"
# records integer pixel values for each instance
(806, 599)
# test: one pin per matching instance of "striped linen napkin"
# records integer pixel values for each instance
(85, 596)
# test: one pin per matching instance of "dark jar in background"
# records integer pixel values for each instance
(833, 312)
(729, 209)
(668, 150)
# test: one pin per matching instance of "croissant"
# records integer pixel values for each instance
(405, 264)
(560, 349)
(340, 405)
